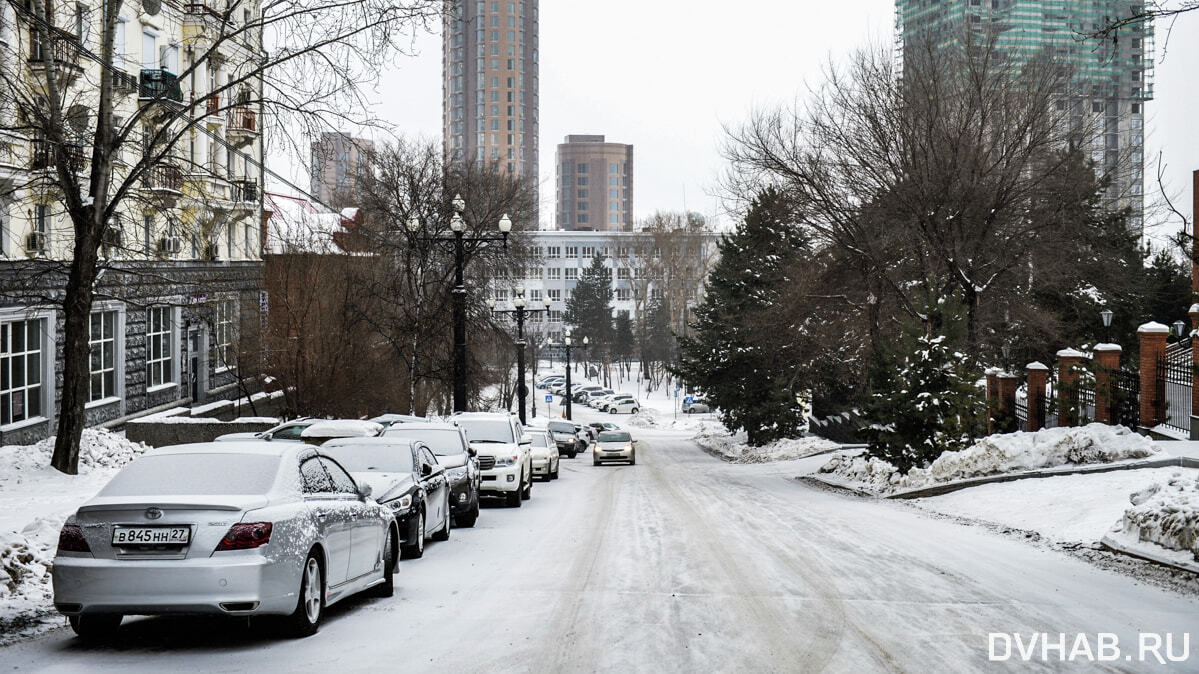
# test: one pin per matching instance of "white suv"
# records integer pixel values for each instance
(504, 453)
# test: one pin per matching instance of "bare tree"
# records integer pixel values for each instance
(933, 179)
(297, 65)
(1139, 16)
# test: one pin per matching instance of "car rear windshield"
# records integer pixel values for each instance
(487, 430)
(614, 436)
(540, 440)
(373, 458)
(215, 474)
(443, 441)
(559, 427)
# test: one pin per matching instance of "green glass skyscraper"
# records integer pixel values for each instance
(1112, 78)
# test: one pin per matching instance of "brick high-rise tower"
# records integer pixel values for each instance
(489, 73)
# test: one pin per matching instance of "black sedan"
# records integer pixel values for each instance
(404, 476)
(449, 445)
(566, 435)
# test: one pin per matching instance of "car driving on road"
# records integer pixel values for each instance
(449, 445)
(405, 477)
(614, 446)
(229, 528)
(505, 459)
(566, 436)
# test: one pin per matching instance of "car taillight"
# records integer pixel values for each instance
(71, 539)
(245, 536)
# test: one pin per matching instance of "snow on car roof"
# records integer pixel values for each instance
(423, 426)
(230, 447)
(341, 428)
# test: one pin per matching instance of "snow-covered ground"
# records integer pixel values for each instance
(1164, 518)
(34, 501)
(998, 454)
(734, 448)
(1063, 509)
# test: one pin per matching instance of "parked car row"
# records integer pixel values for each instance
(283, 523)
(592, 395)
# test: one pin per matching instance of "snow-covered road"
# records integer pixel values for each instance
(680, 563)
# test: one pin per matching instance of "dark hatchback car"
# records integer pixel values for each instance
(404, 476)
(449, 445)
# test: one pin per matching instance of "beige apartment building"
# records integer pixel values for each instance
(490, 83)
(336, 160)
(594, 185)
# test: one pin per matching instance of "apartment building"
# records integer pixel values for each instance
(179, 300)
(594, 184)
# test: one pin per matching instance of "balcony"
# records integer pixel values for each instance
(245, 191)
(43, 156)
(164, 178)
(213, 104)
(59, 49)
(243, 126)
(160, 86)
(123, 82)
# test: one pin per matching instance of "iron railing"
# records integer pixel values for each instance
(1174, 379)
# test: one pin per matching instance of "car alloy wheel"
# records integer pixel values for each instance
(443, 534)
(387, 587)
(415, 548)
(306, 618)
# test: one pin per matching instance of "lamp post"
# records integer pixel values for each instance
(1007, 353)
(1179, 329)
(459, 239)
(568, 347)
(1106, 315)
(518, 301)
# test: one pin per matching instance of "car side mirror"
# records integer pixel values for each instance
(526, 440)
(426, 470)
(365, 491)
(472, 451)
(264, 436)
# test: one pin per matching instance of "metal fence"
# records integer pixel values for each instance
(1174, 377)
(1022, 413)
(1126, 391)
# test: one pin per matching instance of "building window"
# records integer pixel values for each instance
(102, 330)
(622, 295)
(582, 194)
(588, 252)
(535, 296)
(553, 251)
(622, 274)
(582, 168)
(572, 273)
(224, 323)
(553, 274)
(159, 347)
(555, 294)
(583, 181)
(20, 371)
(572, 251)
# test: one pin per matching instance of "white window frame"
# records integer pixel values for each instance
(47, 348)
(224, 332)
(117, 394)
(168, 357)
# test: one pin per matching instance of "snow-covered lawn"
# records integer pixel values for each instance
(998, 454)
(34, 501)
(1064, 509)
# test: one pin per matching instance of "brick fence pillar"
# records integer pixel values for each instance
(1006, 401)
(1195, 361)
(1152, 338)
(1038, 375)
(992, 397)
(1107, 357)
(1067, 386)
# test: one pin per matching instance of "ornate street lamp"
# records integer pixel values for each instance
(458, 239)
(518, 301)
(1106, 315)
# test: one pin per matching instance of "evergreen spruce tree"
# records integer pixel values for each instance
(932, 403)
(727, 355)
(589, 308)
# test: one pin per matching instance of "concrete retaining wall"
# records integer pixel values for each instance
(164, 431)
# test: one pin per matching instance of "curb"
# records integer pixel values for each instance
(1148, 555)
(949, 487)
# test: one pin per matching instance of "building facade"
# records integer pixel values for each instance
(1111, 80)
(644, 268)
(336, 160)
(490, 84)
(594, 185)
(179, 298)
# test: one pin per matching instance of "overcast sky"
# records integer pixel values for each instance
(665, 75)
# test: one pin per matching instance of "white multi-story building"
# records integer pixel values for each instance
(644, 267)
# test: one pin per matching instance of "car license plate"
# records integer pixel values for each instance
(151, 535)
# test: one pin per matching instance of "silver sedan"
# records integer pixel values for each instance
(233, 528)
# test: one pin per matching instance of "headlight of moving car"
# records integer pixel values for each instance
(628, 448)
(456, 473)
(506, 460)
(402, 503)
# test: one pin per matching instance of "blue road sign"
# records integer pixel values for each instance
(549, 399)
(689, 400)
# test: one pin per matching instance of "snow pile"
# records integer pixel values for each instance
(734, 448)
(1000, 454)
(1166, 515)
(34, 501)
(644, 418)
